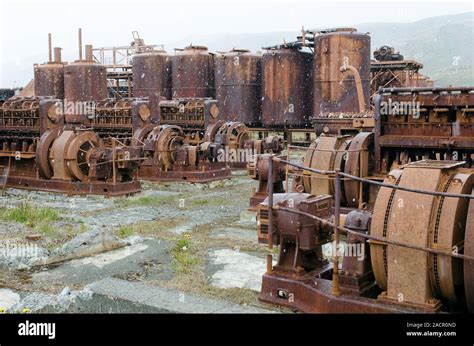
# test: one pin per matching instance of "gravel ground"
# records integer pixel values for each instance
(195, 238)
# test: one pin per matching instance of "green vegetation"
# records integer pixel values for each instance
(199, 202)
(125, 231)
(140, 201)
(182, 254)
(29, 215)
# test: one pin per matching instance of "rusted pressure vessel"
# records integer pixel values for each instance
(287, 82)
(238, 79)
(85, 80)
(339, 56)
(152, 77)
(49, 77)
(192, 73)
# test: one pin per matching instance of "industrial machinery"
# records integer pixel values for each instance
(5, 94)
(62, 144)
(41, 151)
(391, 70)
(341, 72)
(386, 53)
(168, 158)
(194, 115)
(423, 123)
(257, 169)
(412, 235)
(394, 258)
(394, 178)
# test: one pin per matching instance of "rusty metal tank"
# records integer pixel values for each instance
(335, 53)
(286, 87)
(49, 77)
(192, 73)
(85, 80)
(238, 79)
(152, 77)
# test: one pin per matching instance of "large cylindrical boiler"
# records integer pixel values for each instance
(192, 73)
(287, 87)
(341, 62)
(238, 80)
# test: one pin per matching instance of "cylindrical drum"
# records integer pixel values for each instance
(238, 80)
(335, 88)
(192, 73)
(49, 80)
(287, 87)
(85, 81)
(152, 77)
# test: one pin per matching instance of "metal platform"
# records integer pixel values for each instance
(73, 187)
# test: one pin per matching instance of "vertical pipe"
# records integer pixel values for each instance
(114, 174)
(358, 82)
(287, 168)
(89, 56)
(270, 202)
(361, 185)
(377, 133)
(269, 263)
(337, 203)
(80, 43)
(50, 52)
(57, 55)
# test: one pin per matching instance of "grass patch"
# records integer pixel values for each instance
(199, 202)
(182, 254)
(140, 201)
(29, 215)
(125, 231)
(215, 201)
(45, 229)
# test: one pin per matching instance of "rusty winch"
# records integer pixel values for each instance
(404, 254)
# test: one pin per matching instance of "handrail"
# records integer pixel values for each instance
(374, 182)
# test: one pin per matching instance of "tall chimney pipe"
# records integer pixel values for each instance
(80, 44)
(50, 54)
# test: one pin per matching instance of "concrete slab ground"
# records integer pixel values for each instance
(131, 261)
(232, 268)
(8, 298)
(120, 296)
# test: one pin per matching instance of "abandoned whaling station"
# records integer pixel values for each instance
(320, 175)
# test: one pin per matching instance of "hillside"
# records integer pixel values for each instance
(445, 45)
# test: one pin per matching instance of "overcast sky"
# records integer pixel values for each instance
(24, 24)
